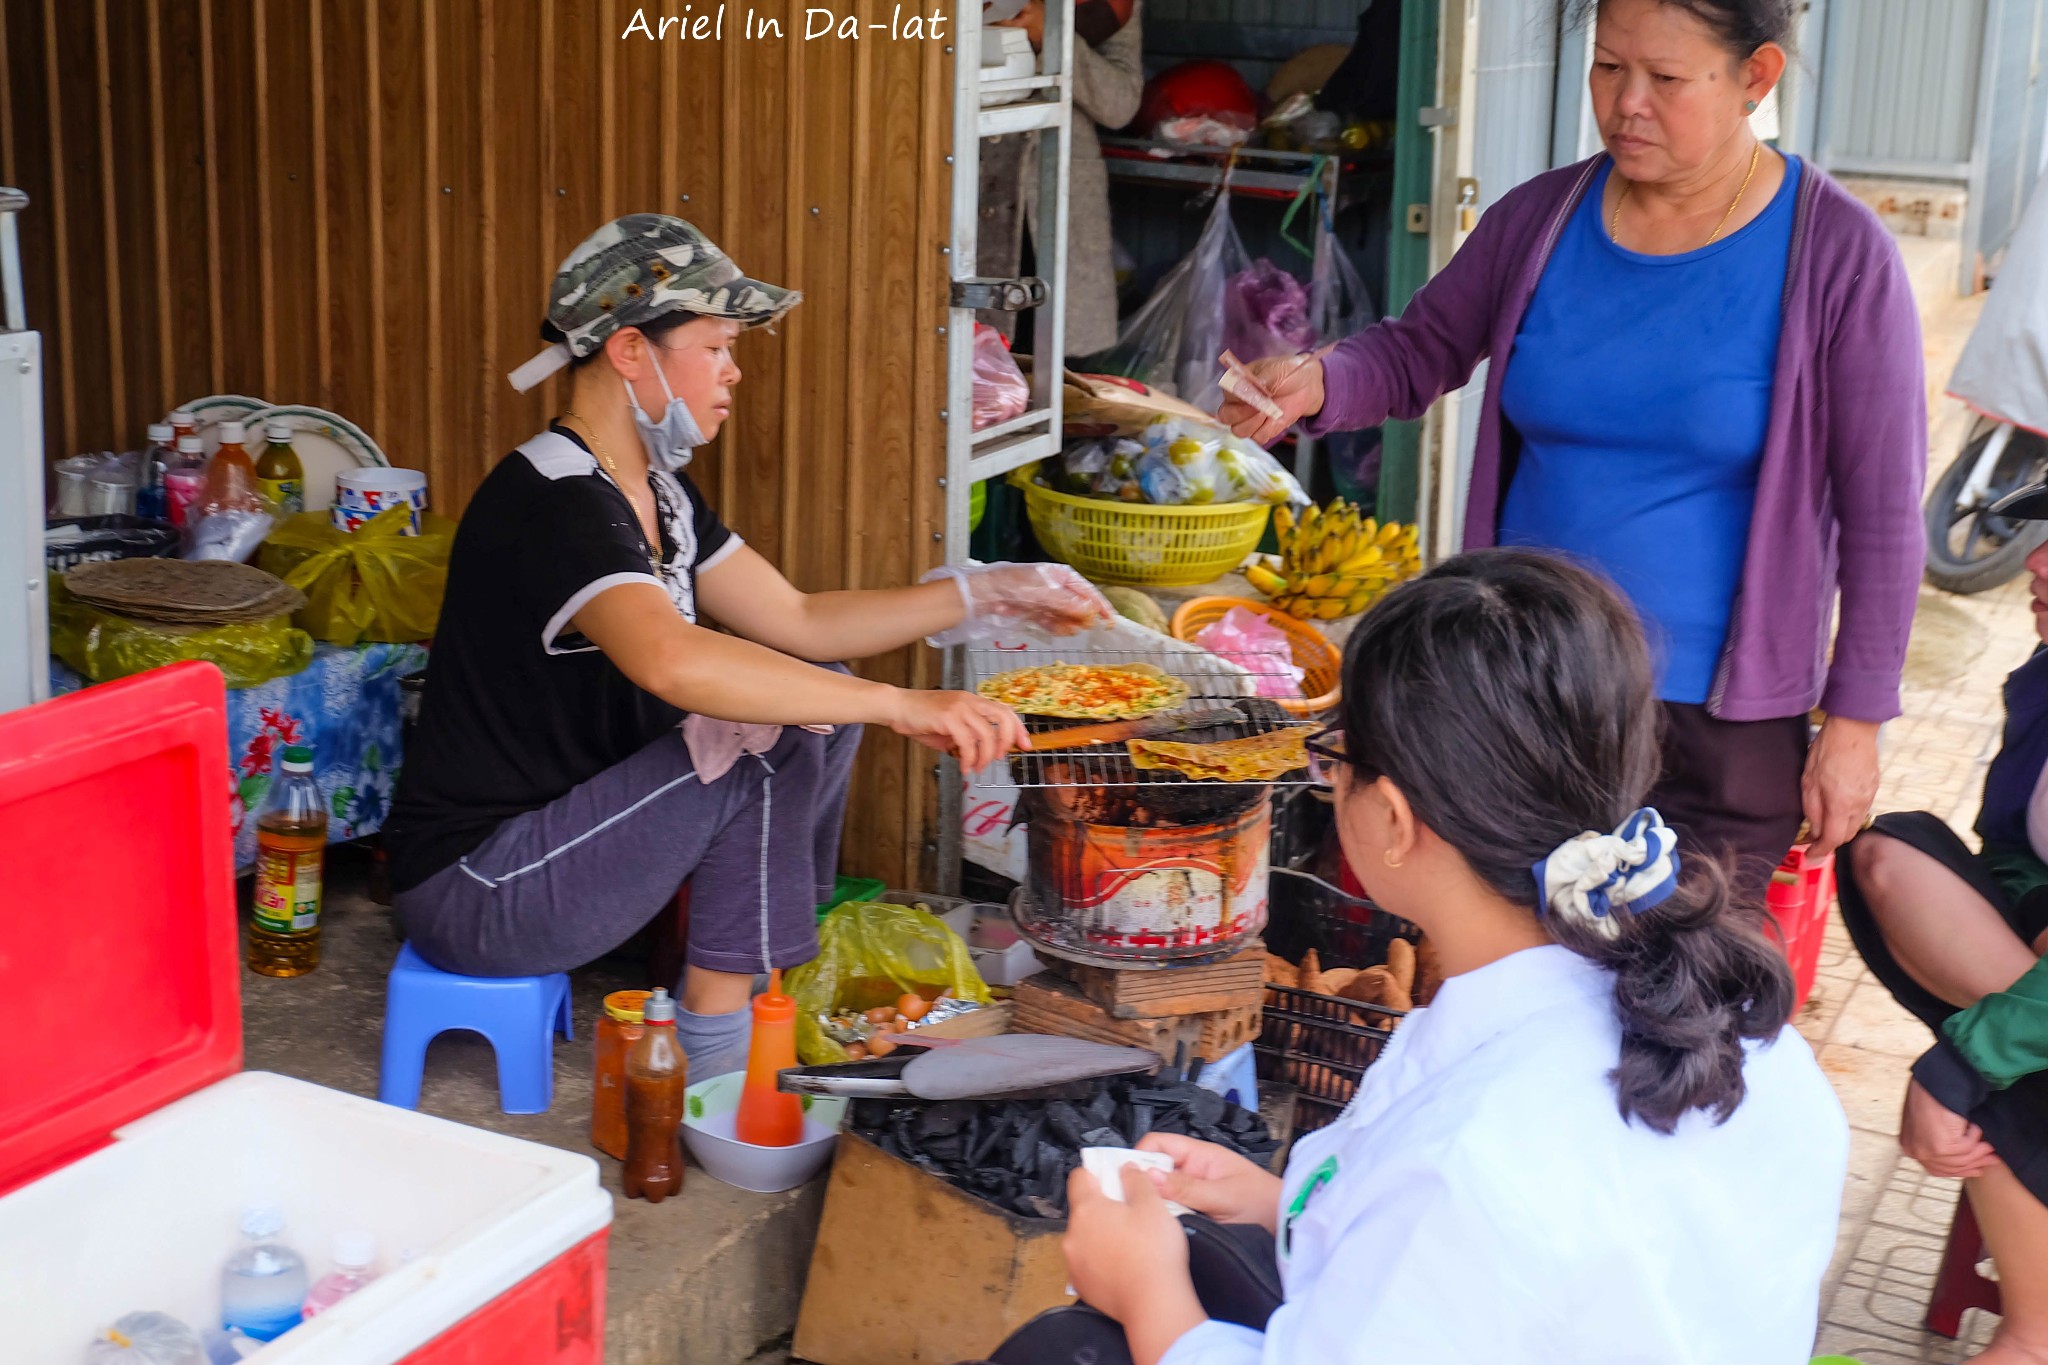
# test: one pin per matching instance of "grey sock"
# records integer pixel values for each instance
(715, 1043)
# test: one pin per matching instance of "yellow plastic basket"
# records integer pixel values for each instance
(1136, 542)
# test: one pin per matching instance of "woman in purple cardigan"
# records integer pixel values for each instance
(1706, 382)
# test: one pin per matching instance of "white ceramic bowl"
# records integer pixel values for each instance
(707, 1131)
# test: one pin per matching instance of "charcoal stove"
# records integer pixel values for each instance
(1144, 868)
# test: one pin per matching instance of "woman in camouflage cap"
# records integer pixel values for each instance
(585, 745)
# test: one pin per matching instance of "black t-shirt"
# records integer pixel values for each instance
(519, 708)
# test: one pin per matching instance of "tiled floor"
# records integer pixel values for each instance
(1895, 1216)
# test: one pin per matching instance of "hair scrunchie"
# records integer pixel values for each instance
(1590, 876)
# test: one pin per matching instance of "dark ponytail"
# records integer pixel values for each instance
(1507, 693)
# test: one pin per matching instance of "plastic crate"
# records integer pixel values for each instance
(846, 889)
(1135, 542)
(1321, 664)
(1346, 931)
(1800, 893)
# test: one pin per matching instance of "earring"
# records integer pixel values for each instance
(1750, 105)
(1389, 859)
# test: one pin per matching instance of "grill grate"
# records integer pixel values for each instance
(1211, 681)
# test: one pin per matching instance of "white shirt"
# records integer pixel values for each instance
(1484, 1202)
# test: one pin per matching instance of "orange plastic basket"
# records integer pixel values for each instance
(1322, 666)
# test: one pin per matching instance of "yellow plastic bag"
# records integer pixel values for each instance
(102, 646)
(378, 584)
(869, 954)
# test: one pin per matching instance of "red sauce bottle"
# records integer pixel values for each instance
(656, 1074)
(767, 1116)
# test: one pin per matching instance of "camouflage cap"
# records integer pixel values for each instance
(635, 269)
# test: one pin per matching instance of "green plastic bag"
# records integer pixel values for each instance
(378, 584)
(102, 646)
(870, 953)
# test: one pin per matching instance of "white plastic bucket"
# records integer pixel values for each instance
(360, 494)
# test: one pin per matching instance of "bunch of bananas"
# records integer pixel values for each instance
(1334, 562)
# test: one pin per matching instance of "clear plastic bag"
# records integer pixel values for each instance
(870, 953)
(1119, 478)
(1218, 128)
(147, 1339)
(1179, 465)
(1081, 464)
(1172, 342)
(379, 583)
(1338, 304)
(1251, 474)
(1000, 390)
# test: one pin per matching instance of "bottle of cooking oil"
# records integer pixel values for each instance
(291, 846)
(280, 476)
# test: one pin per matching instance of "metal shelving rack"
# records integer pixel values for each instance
(1035, 434)
(971, 455)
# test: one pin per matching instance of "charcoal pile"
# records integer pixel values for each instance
(1017, 1153)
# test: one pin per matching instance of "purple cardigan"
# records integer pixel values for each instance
(1845, 452)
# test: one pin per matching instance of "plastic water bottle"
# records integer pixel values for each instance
(263, 1285)
(226, 1347)
(355, 1265)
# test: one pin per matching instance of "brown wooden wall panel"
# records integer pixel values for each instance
(359, 204)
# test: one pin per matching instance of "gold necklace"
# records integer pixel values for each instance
(1614, 224)
(653, 555)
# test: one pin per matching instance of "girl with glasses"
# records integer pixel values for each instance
(1600, 1142)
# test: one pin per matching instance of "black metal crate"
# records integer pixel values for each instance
(1320, 1046)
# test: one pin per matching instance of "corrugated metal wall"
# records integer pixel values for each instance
(358, 204)
(1899, 95)
(1518, 43)
(2014, 113)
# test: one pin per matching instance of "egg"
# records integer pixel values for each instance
(913, 1007)
(881, 1014)
(856, 1051)
(881, 1045)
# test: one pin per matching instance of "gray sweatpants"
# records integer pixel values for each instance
(557, 887)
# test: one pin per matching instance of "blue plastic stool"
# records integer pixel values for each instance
(518, 1014)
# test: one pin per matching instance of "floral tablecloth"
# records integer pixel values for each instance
(346, 705)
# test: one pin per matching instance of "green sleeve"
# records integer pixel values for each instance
(2005, 1036)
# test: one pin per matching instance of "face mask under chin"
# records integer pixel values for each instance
(671, 442)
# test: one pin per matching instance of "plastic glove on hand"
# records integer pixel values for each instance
(1000, 598)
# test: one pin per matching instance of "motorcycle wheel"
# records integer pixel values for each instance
(1968, 550)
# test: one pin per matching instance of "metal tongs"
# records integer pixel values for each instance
(1149, 727)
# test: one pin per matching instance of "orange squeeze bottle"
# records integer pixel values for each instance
(768, 1117)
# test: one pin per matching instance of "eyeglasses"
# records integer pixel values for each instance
(1325, 754)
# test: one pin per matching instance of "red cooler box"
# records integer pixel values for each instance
(130, 1138)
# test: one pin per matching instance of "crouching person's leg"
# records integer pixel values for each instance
(1941, 932)
(754, 896)
(557, 887)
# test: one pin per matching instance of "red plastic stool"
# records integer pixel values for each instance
(1958, 1286)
